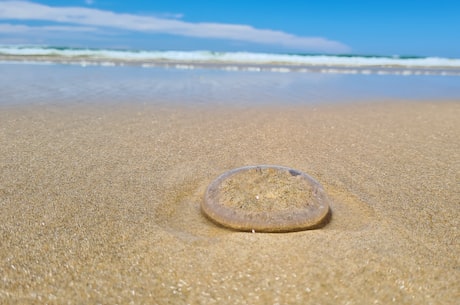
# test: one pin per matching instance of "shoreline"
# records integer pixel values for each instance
(276, 67)
(101, 203)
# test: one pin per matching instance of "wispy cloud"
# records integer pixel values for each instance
(89, 17)
(7, 28)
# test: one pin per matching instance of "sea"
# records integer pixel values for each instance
(33, 74)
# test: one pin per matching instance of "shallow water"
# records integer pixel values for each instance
(55, 83)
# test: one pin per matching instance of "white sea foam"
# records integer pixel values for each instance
(237, 60)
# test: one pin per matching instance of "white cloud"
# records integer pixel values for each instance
(23, 10)
(6, 28)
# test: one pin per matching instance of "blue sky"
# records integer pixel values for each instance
(424, 28)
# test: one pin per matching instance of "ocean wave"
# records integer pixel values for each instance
(236, 60)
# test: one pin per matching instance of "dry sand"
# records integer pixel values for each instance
(100, 204)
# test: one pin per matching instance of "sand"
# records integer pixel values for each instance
(101, 204)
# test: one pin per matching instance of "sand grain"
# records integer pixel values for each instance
(102, 204)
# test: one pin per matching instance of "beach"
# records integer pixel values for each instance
(100, 191)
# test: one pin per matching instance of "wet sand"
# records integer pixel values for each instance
(101, 204)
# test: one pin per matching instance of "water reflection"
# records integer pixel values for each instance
(32, 83)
